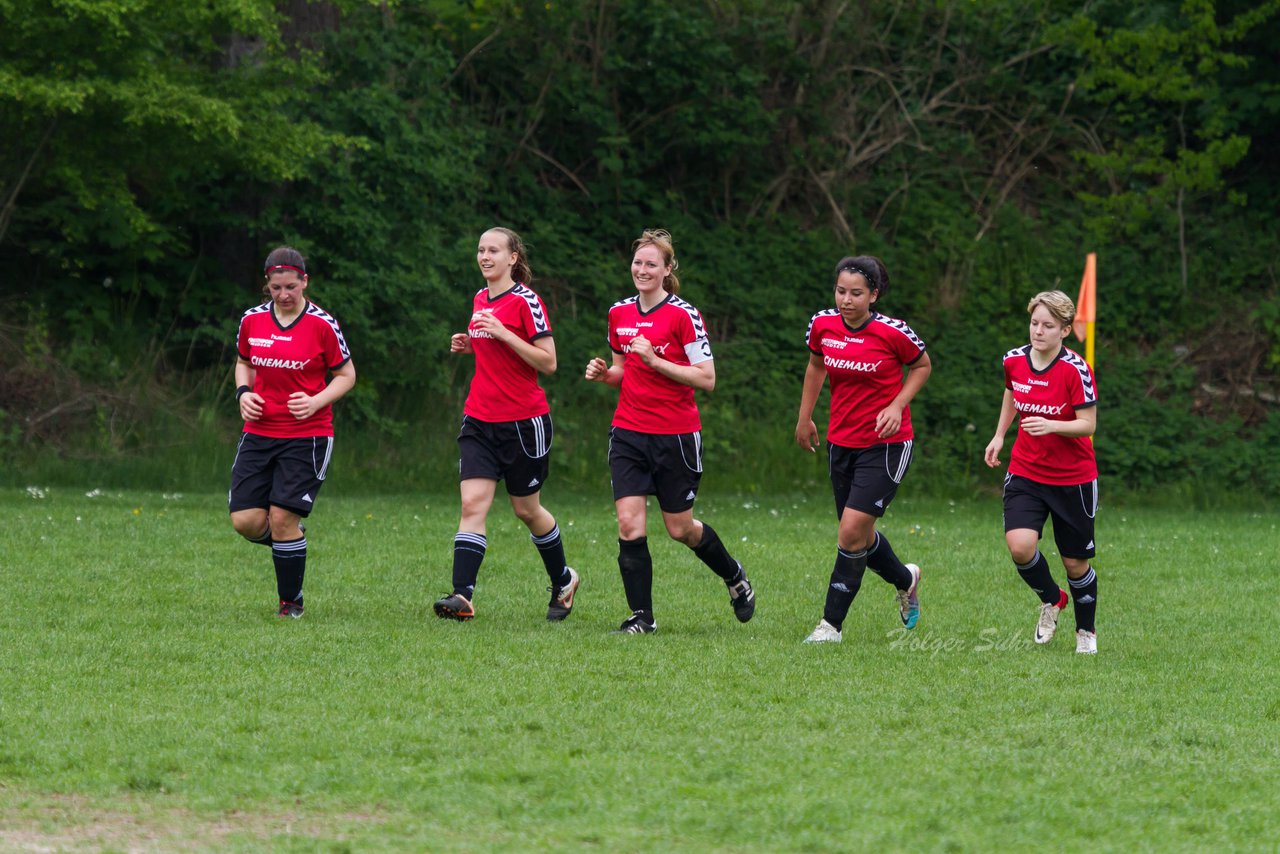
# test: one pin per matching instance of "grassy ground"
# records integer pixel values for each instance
(150, 700)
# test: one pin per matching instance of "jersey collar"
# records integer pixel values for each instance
(870, 317)
(1032, 365)
(306, 304)
(644, 312)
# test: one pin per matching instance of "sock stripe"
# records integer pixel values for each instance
(1034, 560)
(1084, 580)
(546, 539)
(286, 548)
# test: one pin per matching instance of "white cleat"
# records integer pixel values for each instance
(1047, 625)
(824, 633)
(1086, 642)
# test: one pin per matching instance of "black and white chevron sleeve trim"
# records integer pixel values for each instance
(826, 312)
(541, 325)
(1077, 361)
(319, 312)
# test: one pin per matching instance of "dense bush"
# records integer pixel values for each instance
(980, 149)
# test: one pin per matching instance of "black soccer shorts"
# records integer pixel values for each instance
(867, 479)
(666, 465)
(518, 452)
(284, 473)
(1027, 503)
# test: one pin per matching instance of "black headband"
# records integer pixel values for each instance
(854, 268)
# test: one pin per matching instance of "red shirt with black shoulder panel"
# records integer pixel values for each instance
(1056, 393)
(649, 402)
(288, 359)
(505, 387)
(864, 366)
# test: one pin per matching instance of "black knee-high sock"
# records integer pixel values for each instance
(636, 565)
(712, 552)
(846, 578)
(1084, 597)
(883, 561)
(290, 558)
(468, 554)
(1038, 578)
(263, 539)
(551, 550)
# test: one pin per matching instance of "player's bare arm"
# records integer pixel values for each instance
(539, 355)
(600, 371)
(250, 403)
(302, 405)
(701, 376)
(992, 454)
(889, 419)
(1084, 424)
(815, 375)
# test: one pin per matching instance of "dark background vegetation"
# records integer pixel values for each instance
(151, 153)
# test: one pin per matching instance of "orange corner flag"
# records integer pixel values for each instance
(1087, 304)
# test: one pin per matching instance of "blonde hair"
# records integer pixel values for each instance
(661, 240)
(1057, 303)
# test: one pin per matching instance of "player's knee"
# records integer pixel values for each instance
(528, 513)
(249, 524)
(1076, 567)
(284, 524)
(1022, 553)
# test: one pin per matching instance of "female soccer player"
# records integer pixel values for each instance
(1052, 471)
(660, 356)
(506, 423)
(287, 348)
(869, 437)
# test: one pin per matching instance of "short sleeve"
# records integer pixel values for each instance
(537, 321)
(693, 335)
(336, 353)
(242, 338)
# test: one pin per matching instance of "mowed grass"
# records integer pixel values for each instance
(150, 699)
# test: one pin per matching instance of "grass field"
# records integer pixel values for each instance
(150, 700)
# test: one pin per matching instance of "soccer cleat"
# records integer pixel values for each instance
(562, 597)
(909, 599)
(1047, 625)
(290, 609)
(824, 633)
(742, 597)
(1086, 642)
(636, 625)
(454, 607)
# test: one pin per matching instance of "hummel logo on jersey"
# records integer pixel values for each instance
(307, 498)
(690, 496)
(533, 482)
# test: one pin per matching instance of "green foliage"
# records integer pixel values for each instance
(979, 148)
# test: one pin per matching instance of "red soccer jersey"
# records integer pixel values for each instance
(864, 366)
(505, 387)
(286, 359)
(1055, 393)
(648, 401)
